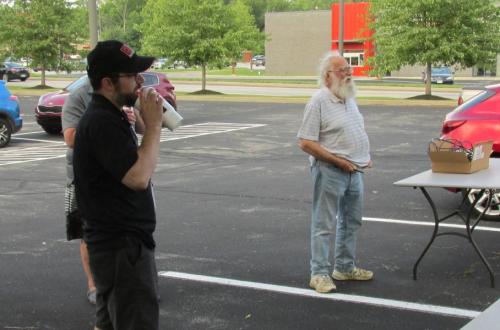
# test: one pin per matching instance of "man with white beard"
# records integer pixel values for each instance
(333, 134)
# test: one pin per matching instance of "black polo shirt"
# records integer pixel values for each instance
(105, 149)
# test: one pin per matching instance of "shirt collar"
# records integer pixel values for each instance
(104, 103)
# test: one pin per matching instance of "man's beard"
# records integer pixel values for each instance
(125, 99)
(343, 89)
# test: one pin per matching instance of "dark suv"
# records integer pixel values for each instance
(13, 71)
(10, 115)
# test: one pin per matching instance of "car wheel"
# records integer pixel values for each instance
(23, 79)
(493, 212)
(52, 130)
(5, 132)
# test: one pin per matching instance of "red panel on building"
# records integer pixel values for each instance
(356, 30)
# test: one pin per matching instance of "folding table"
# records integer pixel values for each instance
(486, 181)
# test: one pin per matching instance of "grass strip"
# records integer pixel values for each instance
(31, 91)
(303, 100)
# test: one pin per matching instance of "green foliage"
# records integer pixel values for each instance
(79, 20)
(242, 34)
(183, 30)
(459, 33)
(120, 20)
(311, 4)
(42, 30)
(198, 32)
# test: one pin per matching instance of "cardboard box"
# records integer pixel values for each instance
(447, 157)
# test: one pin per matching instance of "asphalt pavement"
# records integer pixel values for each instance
(234, 197)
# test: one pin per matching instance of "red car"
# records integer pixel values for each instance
(478, 119)
(49, 108)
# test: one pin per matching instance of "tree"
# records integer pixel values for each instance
(119, 19)
(79, 28)
(243, 34)
(459, 33)
(198, 32)
(38, 29)
(80, 19)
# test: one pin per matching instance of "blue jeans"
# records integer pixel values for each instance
(337, 195)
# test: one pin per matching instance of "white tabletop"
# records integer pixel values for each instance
(484, 179)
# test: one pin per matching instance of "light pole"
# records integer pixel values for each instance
(92, 7)
(341, 27)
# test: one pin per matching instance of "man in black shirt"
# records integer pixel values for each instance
(113, 188)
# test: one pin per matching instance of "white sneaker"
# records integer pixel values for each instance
(357, 274)
(322, 283)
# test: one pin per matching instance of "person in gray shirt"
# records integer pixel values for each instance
(333, 134)
(73, 109)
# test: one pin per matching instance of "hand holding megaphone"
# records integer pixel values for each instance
(171, 118)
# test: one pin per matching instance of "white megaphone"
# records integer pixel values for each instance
(171, 118)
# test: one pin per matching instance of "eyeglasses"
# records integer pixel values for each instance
(129, 75)
(346, 69)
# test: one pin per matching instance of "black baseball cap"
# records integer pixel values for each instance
(112, 57)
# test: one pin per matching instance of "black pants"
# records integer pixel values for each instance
(126, 282)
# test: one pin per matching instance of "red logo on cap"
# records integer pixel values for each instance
(125, 49)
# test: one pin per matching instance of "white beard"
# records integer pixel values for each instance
(343, 89)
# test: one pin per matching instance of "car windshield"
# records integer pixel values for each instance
(150, 79)
(441, 71)
(77, 83)
(13, 65)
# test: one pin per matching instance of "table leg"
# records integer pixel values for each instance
(434, 233)
(471, 229)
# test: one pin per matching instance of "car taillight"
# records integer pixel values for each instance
(14, 98)
(451, 125)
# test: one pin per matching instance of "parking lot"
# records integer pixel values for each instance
(234, 196)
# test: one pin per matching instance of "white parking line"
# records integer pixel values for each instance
(390, 303)
(26, 133)
(427, 223)
(25, 155)
(57, 149)
(36, 140)
(209, 128)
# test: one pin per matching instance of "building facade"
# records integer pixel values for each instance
(296, 41)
